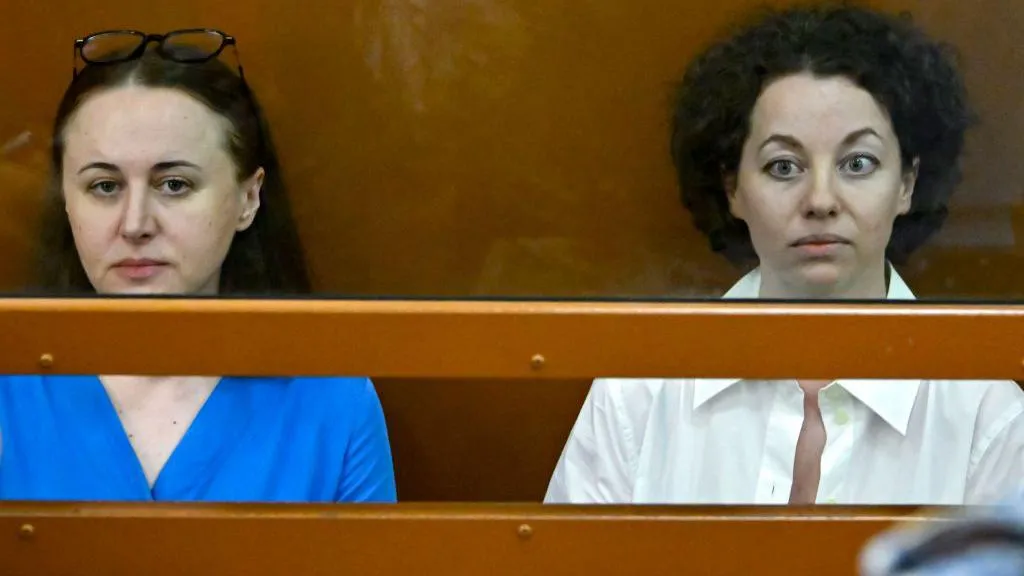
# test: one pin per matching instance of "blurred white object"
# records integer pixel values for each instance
(17, 142)
(986, 541)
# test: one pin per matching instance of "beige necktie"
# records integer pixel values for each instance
(809, 447)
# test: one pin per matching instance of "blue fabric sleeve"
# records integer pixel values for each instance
(369, 474)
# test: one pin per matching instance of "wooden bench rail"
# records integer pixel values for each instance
(547, 340)
(450, 540)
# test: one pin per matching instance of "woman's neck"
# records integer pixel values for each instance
(869, 285)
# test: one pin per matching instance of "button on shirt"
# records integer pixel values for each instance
(732, 441)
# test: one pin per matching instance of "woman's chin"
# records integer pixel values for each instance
(141, 289)
(821, 279)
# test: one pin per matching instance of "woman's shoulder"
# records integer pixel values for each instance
(14, 387)
(12, 379)
(303, 383)
(981, 402)
(634, 389)
(330, 395)
(999, 391)
(633, 398)
(35, 383)
(338, 384)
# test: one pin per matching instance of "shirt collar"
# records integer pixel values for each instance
(891, 400)
(749, 287)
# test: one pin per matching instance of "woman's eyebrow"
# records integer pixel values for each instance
(99, 166)
(858, 134)
(160, 166)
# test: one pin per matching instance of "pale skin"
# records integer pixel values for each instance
(154, 201)
(819, 185)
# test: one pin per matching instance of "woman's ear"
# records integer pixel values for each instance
(250, 204)
(729, 184)
(907, 187)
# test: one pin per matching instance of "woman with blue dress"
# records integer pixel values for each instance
(165, 182)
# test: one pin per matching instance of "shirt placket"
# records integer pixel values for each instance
(775, 477)
(838, 415)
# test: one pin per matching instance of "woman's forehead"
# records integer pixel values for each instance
(135, 124)
(821, 110)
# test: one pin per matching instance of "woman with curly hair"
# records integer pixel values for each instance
(820, 144)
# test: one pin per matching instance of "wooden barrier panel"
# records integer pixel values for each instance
(492, 339)
(474, 540)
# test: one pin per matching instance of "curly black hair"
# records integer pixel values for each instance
(913, 77)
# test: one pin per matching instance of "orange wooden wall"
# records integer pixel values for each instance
(500, 147)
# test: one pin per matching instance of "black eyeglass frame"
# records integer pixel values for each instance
(145, 40)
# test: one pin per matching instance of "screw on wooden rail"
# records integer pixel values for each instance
(525, 531)
(46, 360)
(537, 362)
(26, 531)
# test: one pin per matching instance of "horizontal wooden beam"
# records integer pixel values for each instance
(255, 540)
(477, 339)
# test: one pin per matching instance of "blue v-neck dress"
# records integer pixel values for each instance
(255, 440)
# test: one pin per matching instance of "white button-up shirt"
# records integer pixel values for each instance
(732, 441)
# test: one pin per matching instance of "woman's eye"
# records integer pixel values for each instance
(175, 186)
(859, 165)
(104, 188)
(782, 169)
